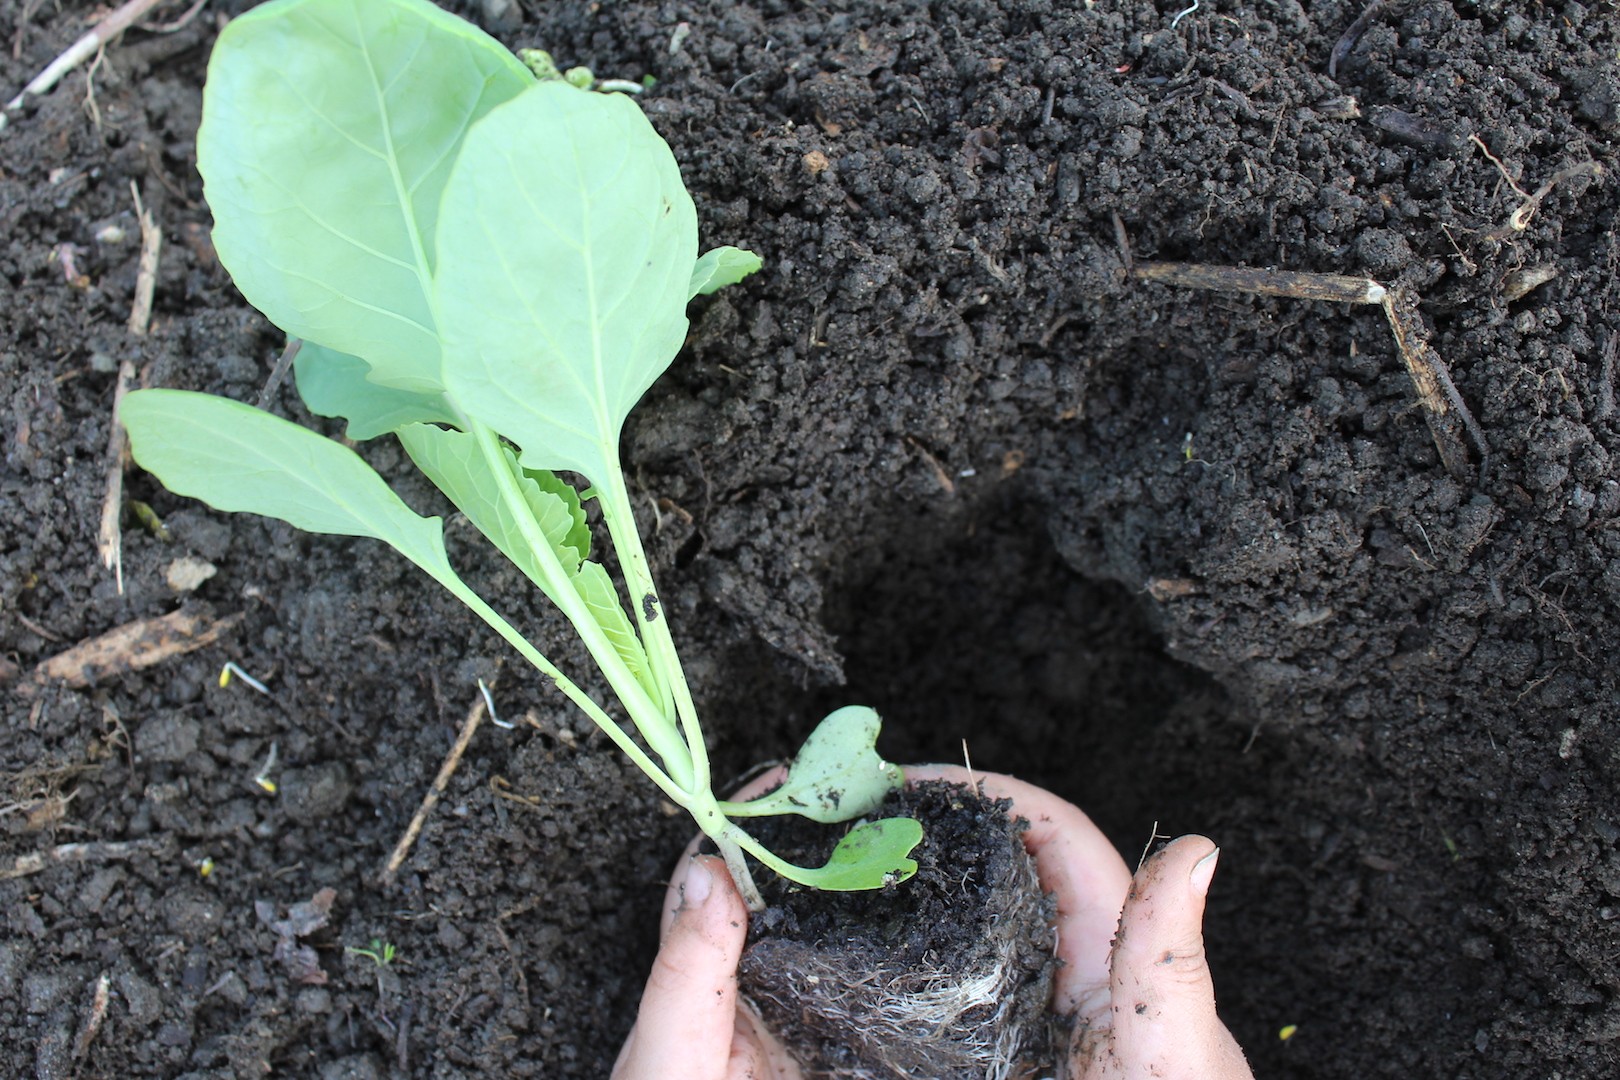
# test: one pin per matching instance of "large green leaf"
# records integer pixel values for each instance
(237, 458)
(335, 384)
(566, 244)
(329, 128)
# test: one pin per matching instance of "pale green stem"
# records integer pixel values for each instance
(707, 813)
(651, 720)
(587, 704)
(700, 803)
(652, 618)
(735, 834)
(738, 866)
(764, 806)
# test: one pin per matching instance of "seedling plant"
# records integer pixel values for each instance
(493, 266)
(379, 952)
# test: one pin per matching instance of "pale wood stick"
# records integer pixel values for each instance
(111, 537)
(24, 865)
(140, 314)
(130, 647)
(80, 51)
(431, 799)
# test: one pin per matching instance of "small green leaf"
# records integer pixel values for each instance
(549, 483)
(722, 266)
(838, 775)
(240, 459)
(452, 460)
(872, 856)
(335, 384)
(328, 130)
(565, 248)
(596, 589)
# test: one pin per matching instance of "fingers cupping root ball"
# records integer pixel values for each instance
(689, 1023)
(1134, 971)
(1161, 1020)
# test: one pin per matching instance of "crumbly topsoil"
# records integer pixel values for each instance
(946, 975)
(1185, 558)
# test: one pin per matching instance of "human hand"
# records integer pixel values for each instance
(691, 1023)
(1142, 998)
(1134, 975)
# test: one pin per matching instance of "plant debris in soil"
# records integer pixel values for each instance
(302, 919)
(947, 975)
(1180, 557)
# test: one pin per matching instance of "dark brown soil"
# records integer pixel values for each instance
(897, 983)
(1190, 560)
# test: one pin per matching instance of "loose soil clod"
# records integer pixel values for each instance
(947, 975)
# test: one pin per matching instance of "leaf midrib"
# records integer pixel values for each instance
(391, 157)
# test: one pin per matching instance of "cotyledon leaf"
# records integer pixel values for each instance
(329, 128)
(336, 384)
(238, 458)
(871, 856)
(566, 243)
(837, 775)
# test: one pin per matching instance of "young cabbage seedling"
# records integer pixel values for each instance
(493, 268)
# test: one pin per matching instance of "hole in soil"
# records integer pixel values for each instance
(966, 624)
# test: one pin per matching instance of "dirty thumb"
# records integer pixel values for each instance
(1163, 997)
(688, 1011)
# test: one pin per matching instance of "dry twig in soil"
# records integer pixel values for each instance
(1352, 34)
(431, 799)
(110, 540)
(278, 373)
(140, 313)
(1519, 220)
(24, 865)
(93, 1018)
(80, 51)
(130, 647)
(1443, 406)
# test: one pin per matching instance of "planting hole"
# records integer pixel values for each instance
(967, 624)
